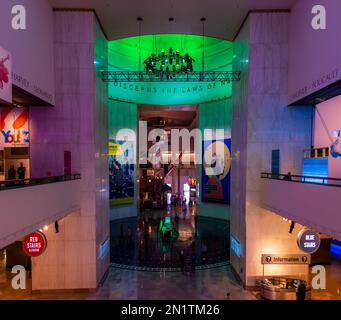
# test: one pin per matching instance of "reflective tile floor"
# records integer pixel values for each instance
(131, 284)
(138, 241)
(214, 283)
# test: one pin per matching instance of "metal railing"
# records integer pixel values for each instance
(170, 76)
(22, 183)
(327, 181)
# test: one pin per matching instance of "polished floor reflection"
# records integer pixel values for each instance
(143, 241)
(131, 285)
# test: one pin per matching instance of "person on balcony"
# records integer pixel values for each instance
(287, 176)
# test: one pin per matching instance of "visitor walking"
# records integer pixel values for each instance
(182, 261)
(204, 252)
(176, 218)
(129, 235)
(187, 267)
(193, 258)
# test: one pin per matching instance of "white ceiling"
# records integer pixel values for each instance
(224, 17)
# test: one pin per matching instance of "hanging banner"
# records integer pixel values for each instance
(14, 129)
(216, 186)
(5, 76)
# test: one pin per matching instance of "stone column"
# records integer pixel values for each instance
(261, 122)
(77, 123)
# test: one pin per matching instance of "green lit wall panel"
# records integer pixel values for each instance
(121, 115)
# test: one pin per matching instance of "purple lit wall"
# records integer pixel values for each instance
(314, 55)
(32, 49)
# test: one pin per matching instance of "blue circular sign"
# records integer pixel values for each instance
(308, 241)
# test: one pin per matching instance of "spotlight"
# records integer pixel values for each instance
(56, 226)
(292, 226)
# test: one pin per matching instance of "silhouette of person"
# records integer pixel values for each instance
(11, 173)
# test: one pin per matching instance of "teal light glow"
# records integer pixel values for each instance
(124, 56)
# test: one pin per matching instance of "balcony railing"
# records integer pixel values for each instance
(327, 181)
(22, 183)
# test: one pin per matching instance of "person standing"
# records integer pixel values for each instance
(21, 172)
(287, 176)
(193, 258)
(11, 173)
(182, 261)
(204, 251)
(129, 235)
(176, 221)
(187, 266)
(301, 291)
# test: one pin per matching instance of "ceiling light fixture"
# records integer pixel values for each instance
(171, 65)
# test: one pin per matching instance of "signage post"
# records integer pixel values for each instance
(302, 259)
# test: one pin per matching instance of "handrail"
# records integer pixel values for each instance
(22, 183)
(327, 181)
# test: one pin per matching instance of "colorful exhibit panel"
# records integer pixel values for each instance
(14, 143)
(121, 172)
(216, 173)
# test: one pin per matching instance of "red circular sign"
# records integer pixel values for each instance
(35, 244)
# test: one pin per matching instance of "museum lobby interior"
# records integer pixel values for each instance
(166, 150)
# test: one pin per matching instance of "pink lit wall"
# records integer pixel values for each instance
(32, 49)
(314, 55)
(330, 112)
(78, 123)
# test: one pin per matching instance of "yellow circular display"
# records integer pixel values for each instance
(222, 164)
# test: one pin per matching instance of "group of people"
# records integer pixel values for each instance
(178, 200)
(16, 174)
